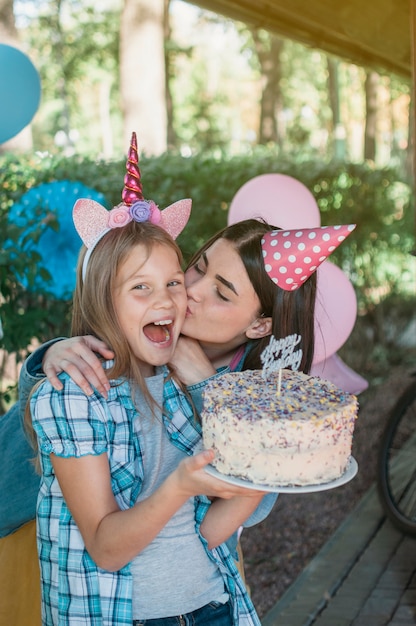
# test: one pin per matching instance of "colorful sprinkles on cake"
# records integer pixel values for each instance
(302, 437)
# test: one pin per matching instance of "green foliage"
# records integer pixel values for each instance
(377, 257)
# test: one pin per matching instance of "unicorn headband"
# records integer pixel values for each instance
(292, 256)
(92, 221)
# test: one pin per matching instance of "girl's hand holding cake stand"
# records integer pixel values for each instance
(231, 504)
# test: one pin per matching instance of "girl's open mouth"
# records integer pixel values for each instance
(159, 332)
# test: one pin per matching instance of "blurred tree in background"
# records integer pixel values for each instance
(191, 80)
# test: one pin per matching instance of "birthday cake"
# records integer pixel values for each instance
(291, 429)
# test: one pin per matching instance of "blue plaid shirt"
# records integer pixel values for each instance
(75, 590)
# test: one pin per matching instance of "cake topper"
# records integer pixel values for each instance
(280, 354)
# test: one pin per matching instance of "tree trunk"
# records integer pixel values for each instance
(171, 137)
(410, 164)
(268, 53)
(371, 85)
(8, 32)
(142, 74)
(333, 91)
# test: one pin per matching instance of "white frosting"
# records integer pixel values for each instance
(301, 437)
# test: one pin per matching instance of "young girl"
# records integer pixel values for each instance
(119, 512)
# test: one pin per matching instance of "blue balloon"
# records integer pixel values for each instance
(58, 249)
(19, 91)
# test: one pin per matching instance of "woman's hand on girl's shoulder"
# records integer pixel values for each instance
(76, 356)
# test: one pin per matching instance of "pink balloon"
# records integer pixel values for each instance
(335, 311)
(337, 372)
(279, 199)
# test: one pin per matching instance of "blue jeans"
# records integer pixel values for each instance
(212, 614)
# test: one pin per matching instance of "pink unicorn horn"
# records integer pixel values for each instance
(133, 188)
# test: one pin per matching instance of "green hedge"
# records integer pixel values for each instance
(376, 258)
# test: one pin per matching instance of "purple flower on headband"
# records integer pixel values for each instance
(119, 216)
(140, 211)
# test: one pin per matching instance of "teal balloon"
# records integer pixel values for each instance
(58, 249)
(19, 91)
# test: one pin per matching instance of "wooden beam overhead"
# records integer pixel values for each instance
(375, 34)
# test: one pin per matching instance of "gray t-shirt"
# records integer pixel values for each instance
(173, 574)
